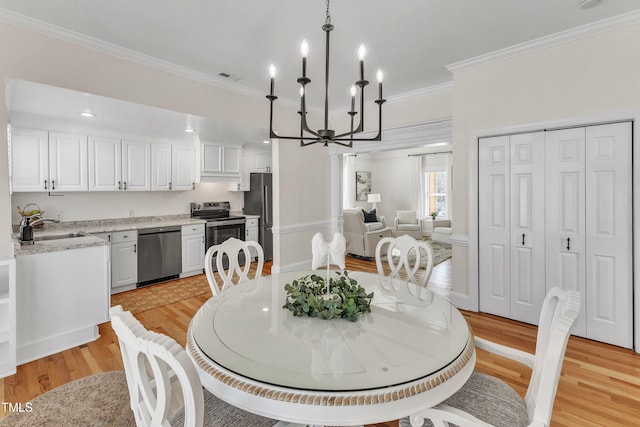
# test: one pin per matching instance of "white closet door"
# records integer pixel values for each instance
(527, 226)
(565, 214)
(609, 294)
(493, 226)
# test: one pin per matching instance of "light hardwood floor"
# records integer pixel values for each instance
(600, 383)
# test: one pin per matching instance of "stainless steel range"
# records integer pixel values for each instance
(221, 225)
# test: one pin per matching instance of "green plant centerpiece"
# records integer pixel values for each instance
(343, 298)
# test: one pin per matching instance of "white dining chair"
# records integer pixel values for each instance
(164, 386)
(406, 260)
(232, 250)
(328, 253)
(487, 401)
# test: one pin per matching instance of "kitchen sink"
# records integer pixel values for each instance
(58, 236)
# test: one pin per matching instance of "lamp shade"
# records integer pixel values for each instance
(373, 198)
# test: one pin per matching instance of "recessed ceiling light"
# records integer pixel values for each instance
(266, 141)
(190, 130)
(87, 114)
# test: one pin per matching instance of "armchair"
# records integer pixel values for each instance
(407, 222)
(362, 237)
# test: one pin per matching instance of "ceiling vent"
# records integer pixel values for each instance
(586, 4)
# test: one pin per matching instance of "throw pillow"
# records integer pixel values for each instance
(370, 216)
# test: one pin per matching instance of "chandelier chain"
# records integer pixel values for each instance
(328, 20)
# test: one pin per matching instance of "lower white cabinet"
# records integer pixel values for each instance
(61, 298)
(7, 317)
(192, 249)
(251, 233)
(124, 260)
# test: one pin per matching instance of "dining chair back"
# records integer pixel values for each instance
(485, 400)
(233, 251)
(404, 259)
(327, 253)
(164, 385)
(160, 376)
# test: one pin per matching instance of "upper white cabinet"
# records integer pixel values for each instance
(105, 164)
(211, 158)
(183, 167)
(172, 167)
(160, 166)
(68, 162)
(261, 161)
(220, 161)
(64, 162)
(231, 160)
(136, 163)
(29, 160)
(252, 160)
(43, 161)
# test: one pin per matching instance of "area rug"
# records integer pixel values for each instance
(147, 298)
(441, 252)
(100, 400)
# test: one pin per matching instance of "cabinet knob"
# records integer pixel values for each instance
(125, 185)
(45, 184)
(53, 184)
(170, 186)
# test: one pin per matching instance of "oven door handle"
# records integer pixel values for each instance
(229, 222)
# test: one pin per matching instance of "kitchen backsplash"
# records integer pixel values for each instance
(84, 206)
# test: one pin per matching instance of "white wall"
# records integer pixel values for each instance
(582, 80)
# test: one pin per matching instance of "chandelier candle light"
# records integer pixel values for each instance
(326, 135)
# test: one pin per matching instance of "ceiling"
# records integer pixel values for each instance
(412, 41)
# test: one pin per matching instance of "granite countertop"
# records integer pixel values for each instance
(91, 227)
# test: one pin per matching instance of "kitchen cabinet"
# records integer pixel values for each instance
(136, 163)
(48, 161)
(7, 317)
(192, 249)
(160, 166)
(251, 233)
(252, 160)
(124, 260)
(183, 167)
(105, 164)
(61, 298)
(261, 161)
(172, 167)
(219, 161)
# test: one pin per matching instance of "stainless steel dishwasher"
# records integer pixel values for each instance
(159, 254)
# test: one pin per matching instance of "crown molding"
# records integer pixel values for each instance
(420, 92)
(624, 20)
(69, 36)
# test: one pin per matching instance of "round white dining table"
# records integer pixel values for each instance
(395, 361)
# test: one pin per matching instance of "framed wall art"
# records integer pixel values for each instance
(363, 186)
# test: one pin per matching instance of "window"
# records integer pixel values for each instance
(436, 193)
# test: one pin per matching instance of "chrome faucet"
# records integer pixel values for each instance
(42, 220)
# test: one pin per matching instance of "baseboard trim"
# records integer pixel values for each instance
(45, 347)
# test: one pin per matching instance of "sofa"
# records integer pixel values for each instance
(362, 237)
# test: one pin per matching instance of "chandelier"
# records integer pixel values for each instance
(326, 135)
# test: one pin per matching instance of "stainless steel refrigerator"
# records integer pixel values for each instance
(258, 201)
